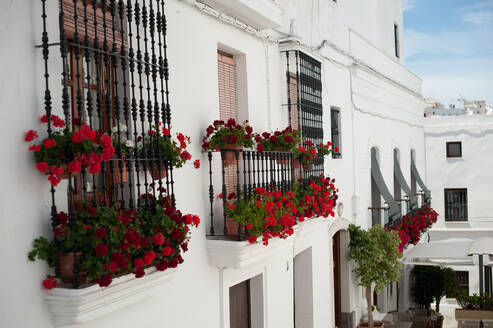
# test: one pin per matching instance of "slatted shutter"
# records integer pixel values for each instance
(293, 96)
(94, 27)
(228, 108)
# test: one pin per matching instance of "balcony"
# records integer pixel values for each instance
(239, 195)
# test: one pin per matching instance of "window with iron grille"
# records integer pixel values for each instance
(305, 74)
(455, 204)
(454, 149)
(114, 78)
(335, 129)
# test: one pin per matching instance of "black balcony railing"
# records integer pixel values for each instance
(269, 170)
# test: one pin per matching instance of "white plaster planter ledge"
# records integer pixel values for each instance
(237, 254)
(71, 307)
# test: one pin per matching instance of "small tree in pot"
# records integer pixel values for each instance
(376, 252)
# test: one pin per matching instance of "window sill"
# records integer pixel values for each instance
(76, 306)
(237, 254)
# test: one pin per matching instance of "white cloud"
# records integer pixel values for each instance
(481, 18)
(408, 4)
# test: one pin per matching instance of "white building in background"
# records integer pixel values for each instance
(371, 107)
(459, 177)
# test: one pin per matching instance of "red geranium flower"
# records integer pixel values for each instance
(77, 137)
(196, 163)
(101, 233)
(167, 251)
(101, 249)
(35, 148)
(50, 283)
(149, 257)
(252, 239)
(42, 167)
(31, 135)
(105, 281)
(158, 239)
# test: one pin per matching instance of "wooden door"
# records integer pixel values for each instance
(239, 305)
(336, 260)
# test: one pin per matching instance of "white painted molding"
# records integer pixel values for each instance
(71, 307)
(261, 14)
(237, 254)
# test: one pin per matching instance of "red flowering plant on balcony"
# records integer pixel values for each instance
(158, 143)
(113, 241)
(285, 140)
(264, 214)
(317, 199)
(229, 135)
(69, 151)
(413, 225)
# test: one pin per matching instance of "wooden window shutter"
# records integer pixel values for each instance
(228, 107)
(69, 24)
(293, 95)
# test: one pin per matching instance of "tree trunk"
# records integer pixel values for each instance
(370, 306)
(437, 307)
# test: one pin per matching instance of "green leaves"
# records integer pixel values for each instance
(431, 283)
(377, 254)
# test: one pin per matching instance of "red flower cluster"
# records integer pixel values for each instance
(318, 199)
(274, 214)
(50, 283)
(285, 140)
(128, 241)
(230, 133)
(413, 225)
(55, 164)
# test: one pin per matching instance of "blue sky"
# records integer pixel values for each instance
(449, 44)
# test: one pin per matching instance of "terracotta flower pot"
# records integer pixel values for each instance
(66, 262)
(308, 166)
(364, 324)
(157, 173)
(230, 154)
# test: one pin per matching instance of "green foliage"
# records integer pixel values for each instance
(376, 252)
(475, 302)
(43, 250)
(158, 144)
(431, 283)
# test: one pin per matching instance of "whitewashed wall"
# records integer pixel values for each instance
(379, 107)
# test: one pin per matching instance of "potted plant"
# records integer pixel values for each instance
(430, 284)
(229, 137)
(377, 255)
(265, 214)
(413, 225)
(305, 155)
(113, 241)
(124, 148)
(316, 198)
(278, 141)
(474, 307)
(69, 152)
(159, 144)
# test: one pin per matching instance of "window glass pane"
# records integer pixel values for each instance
(454, 149)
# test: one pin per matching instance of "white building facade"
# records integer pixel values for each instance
(370, 103)
(459, 178)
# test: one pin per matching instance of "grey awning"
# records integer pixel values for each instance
(415, 172)
(394, 209)
(400, 177)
